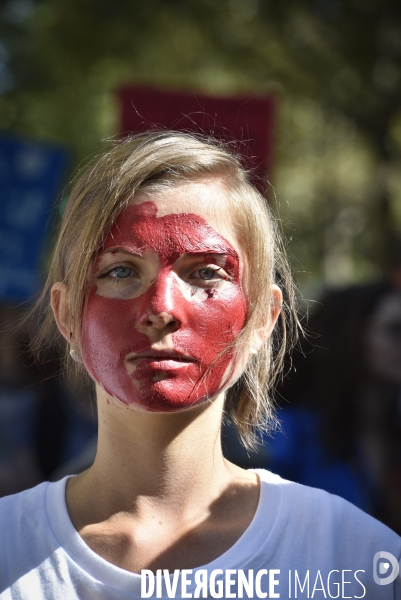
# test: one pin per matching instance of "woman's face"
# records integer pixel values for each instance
(166, 300)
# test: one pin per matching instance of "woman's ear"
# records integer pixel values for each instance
(59, 301)
(276, 306)
(265, 332)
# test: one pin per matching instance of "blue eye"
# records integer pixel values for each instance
(120, 272)
(207, 274)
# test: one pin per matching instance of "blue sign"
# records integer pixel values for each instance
(31, 174)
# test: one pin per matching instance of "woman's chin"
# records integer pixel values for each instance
(160, 397)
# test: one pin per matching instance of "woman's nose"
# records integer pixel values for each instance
(160, 321)
(163, 304)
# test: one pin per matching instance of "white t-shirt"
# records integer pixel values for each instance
(299, 539)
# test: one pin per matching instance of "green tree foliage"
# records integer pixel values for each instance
(334, 66)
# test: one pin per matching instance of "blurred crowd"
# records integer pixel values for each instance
(339, 407)
(340, 403)
(47, 417)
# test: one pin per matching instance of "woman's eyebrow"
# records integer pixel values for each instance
(129, 250)
(211, 252)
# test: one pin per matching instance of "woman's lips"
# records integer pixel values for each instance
(161, 363)
(160, 360)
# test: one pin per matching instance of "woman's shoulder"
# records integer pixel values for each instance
(309, 534)
(27, 539)
(24, 514)
(311, 510)
(23, 503)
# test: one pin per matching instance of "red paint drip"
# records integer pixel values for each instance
(202, 326)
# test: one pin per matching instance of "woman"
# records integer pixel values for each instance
(164, 286)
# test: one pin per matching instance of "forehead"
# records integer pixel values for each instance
(205, 198)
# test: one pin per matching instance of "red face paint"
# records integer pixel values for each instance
(139, 359)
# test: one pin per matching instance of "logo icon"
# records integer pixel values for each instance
(382, 568)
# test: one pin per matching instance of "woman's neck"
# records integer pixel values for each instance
(169, 462)
(158, 483)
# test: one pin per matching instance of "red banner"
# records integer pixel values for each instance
(247, 120)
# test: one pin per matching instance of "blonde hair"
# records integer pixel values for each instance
(151, 161)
